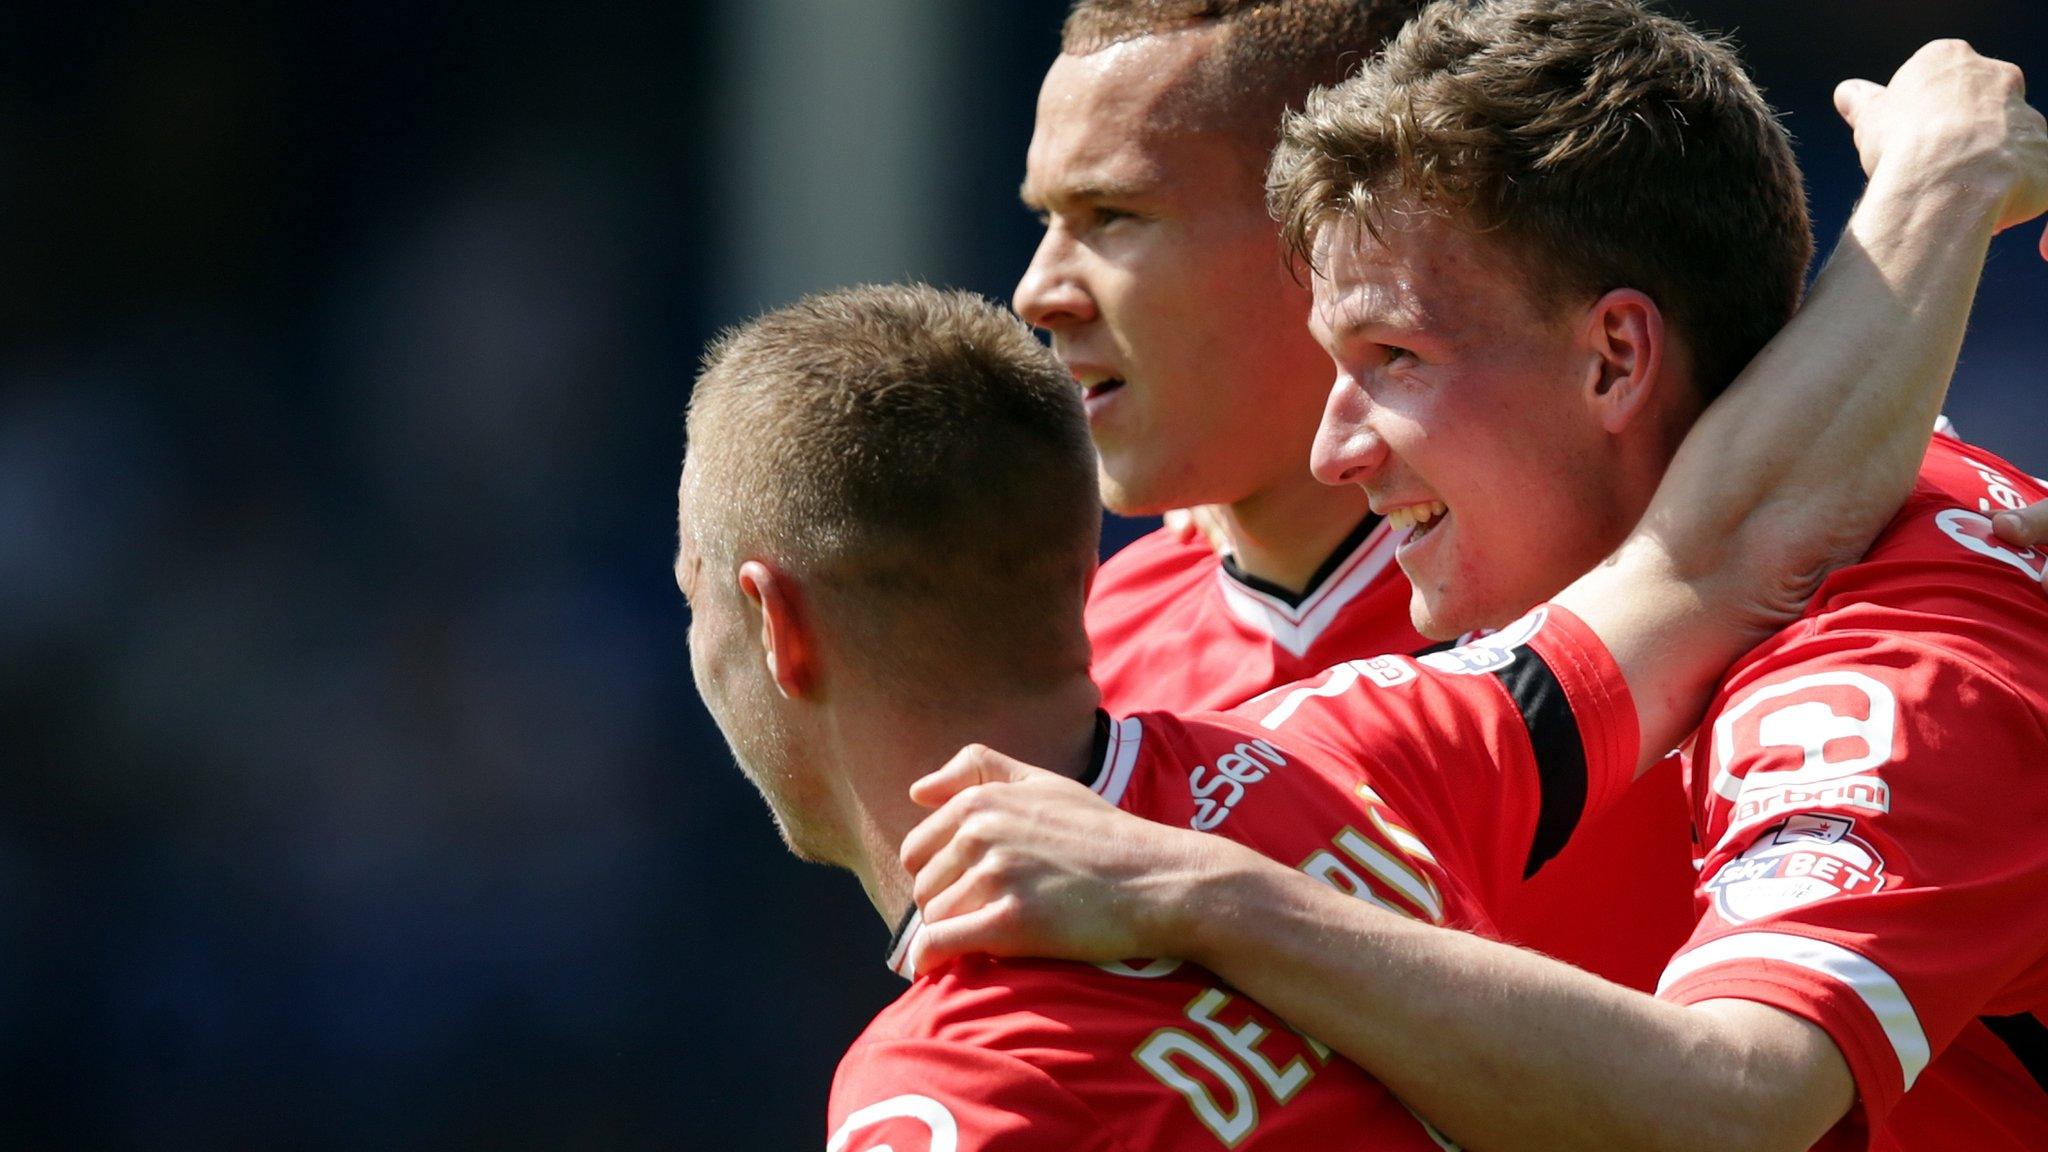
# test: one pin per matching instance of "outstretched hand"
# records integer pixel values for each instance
(1950, 110)
(1018, 861)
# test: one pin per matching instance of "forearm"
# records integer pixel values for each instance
(1793, 472)
(1498, 1047)
(1815, 444)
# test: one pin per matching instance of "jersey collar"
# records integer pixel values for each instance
(1110, 759)
(1296, 622)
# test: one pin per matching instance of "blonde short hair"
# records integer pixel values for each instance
(916, 456)
(1273, 52)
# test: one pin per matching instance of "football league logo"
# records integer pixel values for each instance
(1804, 860)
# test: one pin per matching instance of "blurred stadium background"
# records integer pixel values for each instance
(355, 792)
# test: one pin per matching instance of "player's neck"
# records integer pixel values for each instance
(1284, 534)
(888, 749)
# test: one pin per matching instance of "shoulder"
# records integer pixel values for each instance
(1152, 561)
(1936, 591)
(1945, 526)
(945, 1094)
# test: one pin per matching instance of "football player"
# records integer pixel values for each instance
(1161, 282)
(886, 525)
(1543, 232)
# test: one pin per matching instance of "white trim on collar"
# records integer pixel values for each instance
(1297, 628)
(1112, 778)
(1115, 774)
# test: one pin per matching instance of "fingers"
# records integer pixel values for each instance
(1213, 523)
(2026, 527)
(973, 882)
(956, 790)
(2044, 244)
(932, 833)
(986, 929)
(941, 857)
(974, 764)
(1853, 97)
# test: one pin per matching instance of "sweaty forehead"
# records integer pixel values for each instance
(1116, 117)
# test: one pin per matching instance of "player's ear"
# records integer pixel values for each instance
(1624, 332)
(788, 643)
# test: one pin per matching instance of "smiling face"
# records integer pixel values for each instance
(1161, 281)
(1461, 407)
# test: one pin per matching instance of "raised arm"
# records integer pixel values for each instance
(1793, 472)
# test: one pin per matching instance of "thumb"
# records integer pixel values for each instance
(2026, 527)
(2044, 244)
(1853, 96)
(972, 765)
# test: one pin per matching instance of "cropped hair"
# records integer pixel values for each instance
(1273, 52)
(916, 456)
(1601, 145)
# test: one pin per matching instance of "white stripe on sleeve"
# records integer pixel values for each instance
(1871, 984)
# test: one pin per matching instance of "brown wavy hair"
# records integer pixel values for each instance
(1602, 145)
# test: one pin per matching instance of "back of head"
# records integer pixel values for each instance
(1603, 145)
(920, 463)
(1273, 53)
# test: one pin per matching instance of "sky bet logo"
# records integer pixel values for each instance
(1802, 861)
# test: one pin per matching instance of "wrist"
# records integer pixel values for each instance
(1215, 897)
(1973, 188)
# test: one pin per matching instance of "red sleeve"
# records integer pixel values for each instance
(1501, 746)
(935, 1096)
(1878, 863)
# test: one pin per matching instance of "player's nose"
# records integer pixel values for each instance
(1053, 293)
(1348, 450)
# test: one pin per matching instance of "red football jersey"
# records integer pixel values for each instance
(1870, 783)
(1177, 628)
(1369, 777)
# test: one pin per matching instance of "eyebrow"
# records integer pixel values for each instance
(1085, 193)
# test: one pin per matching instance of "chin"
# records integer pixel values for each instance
(1444, 618)
(1132, 499)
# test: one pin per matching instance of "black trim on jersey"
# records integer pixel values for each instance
(1328, 569)
(1560, 752)
(902, 926)
(2028, 1039)
(1098, 752)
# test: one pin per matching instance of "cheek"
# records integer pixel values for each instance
(706, 648)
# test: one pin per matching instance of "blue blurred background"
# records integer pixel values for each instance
(355, 791)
